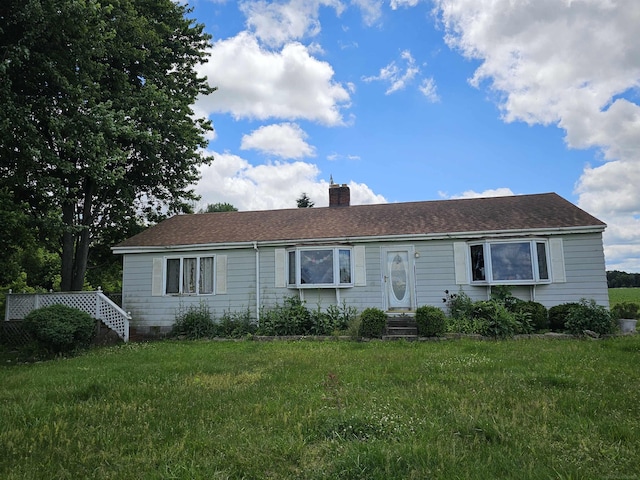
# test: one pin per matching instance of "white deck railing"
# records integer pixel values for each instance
(96, 304)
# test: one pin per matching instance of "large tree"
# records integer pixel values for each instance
(96, 125)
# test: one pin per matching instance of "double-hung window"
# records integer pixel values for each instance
(320, 267)
(189, 275)
(510, 262)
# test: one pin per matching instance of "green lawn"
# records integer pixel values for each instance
(619, 295)
(520, 409)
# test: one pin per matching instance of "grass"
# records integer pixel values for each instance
(523, 409)
(619, 295)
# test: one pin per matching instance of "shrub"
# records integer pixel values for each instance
(534, 313)
(465, 325)
(502, 294)
(558, 316)
(458, 304)
(341, 317)
(494, 320)
(626, 310)
(373, 322)
(587, 315)
(235, 324)
(430, 320)
(60, 329)
(194, 322)
(290, 318)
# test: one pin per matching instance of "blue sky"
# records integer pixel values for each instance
(408, 100)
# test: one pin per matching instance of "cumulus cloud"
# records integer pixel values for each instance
(232, 179)
(256, 83)
(429, 90)
(397, 77)
(284, 140)
(574, 64)
(492, 192)
(371, 10)
(277, 23)
(395, 4)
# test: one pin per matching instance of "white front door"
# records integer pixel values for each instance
(398, 278)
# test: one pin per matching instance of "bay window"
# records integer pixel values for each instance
(320, 267)
(510, 262)
(189, 275)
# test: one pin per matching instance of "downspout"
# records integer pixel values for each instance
(255, 247)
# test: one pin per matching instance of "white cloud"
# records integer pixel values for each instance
(256, 83)
(284, 140)
(371, 10)
(575, 64)
(333, 157)
(495, 192)
(395, 4)
(429, 90)
(234, 180)
(277, 23)
(395, 76)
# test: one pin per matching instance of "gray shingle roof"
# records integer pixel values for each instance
(522, 212)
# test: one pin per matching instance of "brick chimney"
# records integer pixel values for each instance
(339, 195)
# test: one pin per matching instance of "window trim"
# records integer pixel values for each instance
(489, 267)
(197, 288)
(296, 252)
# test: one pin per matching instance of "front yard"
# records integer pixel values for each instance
(535, 408)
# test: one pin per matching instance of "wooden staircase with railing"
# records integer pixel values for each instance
(402, 327)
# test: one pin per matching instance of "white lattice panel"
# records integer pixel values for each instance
(19, 306)
(85, 301)
(95, 304)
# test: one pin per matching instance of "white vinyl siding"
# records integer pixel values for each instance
(576, 270)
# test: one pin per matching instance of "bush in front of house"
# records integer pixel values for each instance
(431, 321)
(459, 305)
(494, 320)
(235, 325)
(373, 321)
(558, 316)
(533, 313)
(194, 322)
(587, 315)
(60, 329)
(289, 318)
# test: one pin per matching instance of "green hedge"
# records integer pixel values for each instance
(60, 329)
(373, 322)
(431, 321)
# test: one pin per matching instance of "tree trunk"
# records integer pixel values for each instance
(68, 241)
(75, 244)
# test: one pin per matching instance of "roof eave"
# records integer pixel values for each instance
(358, 239)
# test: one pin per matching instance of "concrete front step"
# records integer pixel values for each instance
(403, 327)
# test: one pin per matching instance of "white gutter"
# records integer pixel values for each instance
(255, 247)
(360, 239)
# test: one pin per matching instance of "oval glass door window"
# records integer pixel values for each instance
(399, 276)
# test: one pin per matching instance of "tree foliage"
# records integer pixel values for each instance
(304, 201)
(617, 279)
(218, 207)
(96, 127)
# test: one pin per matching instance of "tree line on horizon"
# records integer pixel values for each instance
(618, 279)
